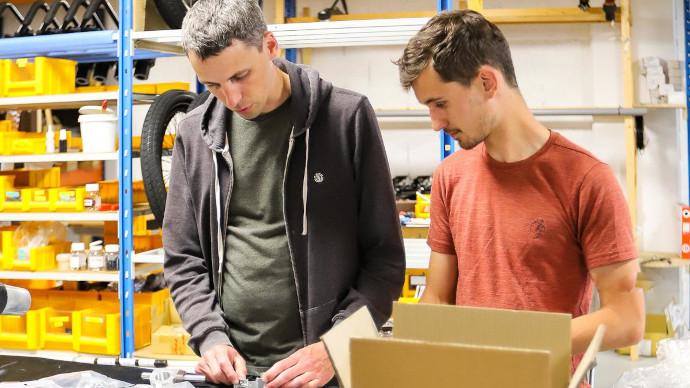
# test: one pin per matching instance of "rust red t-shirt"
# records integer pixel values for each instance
(527, 233)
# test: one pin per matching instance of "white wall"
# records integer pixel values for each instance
(557, 66)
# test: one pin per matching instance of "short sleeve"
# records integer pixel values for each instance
(440, 238)
(604, 225)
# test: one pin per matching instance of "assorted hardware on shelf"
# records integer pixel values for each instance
(94, 17)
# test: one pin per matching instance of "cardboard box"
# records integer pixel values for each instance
(146, 17)
(452, 346)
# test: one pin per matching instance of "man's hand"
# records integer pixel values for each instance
(222, 364)
(308, 367)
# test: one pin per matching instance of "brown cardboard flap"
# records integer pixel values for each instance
(377, 363)
(489, 327)
(588, 360)
(337, 341)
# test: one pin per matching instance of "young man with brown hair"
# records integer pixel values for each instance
(522, 218)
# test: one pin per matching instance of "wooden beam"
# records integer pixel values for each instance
(495, 15)
(475, 5)
(279, 17)
(628, 101)
(545, 15)
(366, 16)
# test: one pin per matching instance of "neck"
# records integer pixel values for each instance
(281, 90)
(516, 135)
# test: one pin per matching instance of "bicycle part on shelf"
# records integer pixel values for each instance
(50, 25)
(142, 67)
(326, 13)
(4, 6)
(100, 71)
(610, 10)
(84, 71)
(584, 5)
(25, 29)
(159, 129)
(91, 21)
(70, 23)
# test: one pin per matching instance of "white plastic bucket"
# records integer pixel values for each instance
(98, 132)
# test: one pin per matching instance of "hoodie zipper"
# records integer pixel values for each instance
(224, 231)
(291, 143)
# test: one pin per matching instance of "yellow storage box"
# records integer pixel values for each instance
(69, 199)
(97, 330)
(22, 332)
(57, 328)
(38, 76)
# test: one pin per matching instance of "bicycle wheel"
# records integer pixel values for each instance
(157, 141)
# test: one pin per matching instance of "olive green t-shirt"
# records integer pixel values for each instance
(259, 297)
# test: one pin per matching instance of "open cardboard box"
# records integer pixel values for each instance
(452, 346)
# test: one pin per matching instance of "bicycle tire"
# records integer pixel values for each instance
(163, 109)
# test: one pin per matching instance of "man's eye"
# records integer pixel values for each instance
(213, 86)
(440, 104)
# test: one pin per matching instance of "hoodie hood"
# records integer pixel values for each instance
(307, 92)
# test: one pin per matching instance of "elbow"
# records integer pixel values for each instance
(635, 331)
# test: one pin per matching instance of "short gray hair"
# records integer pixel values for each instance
(210, 26)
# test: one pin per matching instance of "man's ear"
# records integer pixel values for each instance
(271, 44)
(489, 80)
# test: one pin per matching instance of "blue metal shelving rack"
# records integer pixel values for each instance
(99, 46)
(126, 285)
(447, 144)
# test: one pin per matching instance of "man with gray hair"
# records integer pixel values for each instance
(280, 218)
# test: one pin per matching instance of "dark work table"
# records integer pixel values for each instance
(21, 368)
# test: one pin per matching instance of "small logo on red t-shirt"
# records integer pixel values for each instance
(537, 228)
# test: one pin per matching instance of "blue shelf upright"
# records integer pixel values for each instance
(291, 12)
(447, 143)
(125, 56)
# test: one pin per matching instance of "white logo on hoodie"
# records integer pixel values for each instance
(318, 177)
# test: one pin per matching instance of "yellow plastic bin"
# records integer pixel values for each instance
(22, 332)
(38, 76)
(69, 199)
(97, 330)
(57, 328)
(15, 200)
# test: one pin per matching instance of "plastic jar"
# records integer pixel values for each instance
(112, 257)
(92, 197)
(63, 261)
(77, 260)
(96, 258)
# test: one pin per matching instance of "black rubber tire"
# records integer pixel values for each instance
(200, 99)
(160, 113)
(172, 12)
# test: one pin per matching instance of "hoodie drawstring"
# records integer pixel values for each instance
(219, 234)
(305, 182)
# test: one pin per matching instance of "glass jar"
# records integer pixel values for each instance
(96, 258)
(112, 257)
(77, 260)
(92, 197)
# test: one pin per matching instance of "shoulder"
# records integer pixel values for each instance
(572, 153)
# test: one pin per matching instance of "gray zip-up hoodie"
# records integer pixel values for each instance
(341, 221)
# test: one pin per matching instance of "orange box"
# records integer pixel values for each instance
(685, 232)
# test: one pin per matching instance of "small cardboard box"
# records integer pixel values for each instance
(451, 346)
